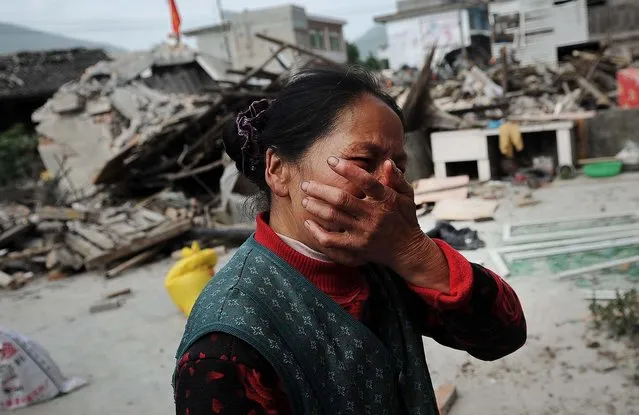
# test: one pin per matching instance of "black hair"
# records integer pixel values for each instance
(304, 111)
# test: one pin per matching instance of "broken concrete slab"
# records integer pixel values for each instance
(126, 103)
(100, 106)
(66, 102)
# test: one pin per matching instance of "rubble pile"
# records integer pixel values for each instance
(62, 241)
(141, 123)
(134, 165)
(583, 82)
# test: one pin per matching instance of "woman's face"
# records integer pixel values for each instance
(367, 133)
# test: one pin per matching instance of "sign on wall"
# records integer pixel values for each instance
(410, 40)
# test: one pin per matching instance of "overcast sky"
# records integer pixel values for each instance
(137, 24)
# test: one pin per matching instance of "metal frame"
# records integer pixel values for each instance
(566, 275)
(509, 238)
(573, 249)
(560, 246)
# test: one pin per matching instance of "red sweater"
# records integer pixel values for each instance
(221, 374)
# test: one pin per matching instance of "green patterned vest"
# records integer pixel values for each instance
(329, 362)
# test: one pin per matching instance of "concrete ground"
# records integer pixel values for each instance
(127, 353)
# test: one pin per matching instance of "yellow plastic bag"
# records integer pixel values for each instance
(187, 278)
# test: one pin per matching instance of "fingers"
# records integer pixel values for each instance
(334, 196)
(335, 245)
(359, 177)
(328, 214)
(394, 178)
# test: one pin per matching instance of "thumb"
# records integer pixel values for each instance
(393, 177)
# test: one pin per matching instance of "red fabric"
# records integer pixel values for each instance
(481, 314)
(461, 282)
(628, 87)
(176, 21)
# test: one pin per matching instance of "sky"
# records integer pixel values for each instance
(138, 24)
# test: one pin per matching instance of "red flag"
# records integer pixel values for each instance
(175, 17)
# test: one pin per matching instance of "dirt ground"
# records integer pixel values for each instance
(128, 353)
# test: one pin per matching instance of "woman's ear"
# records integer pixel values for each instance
(277, 174)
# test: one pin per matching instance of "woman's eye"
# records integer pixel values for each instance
(363, 162)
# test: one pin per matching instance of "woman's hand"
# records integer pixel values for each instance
(381, 227)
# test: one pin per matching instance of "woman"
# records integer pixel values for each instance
(322, 311)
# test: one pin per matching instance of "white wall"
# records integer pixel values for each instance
(410, 40)
(542, 28)
(212, 44)
(248, 50)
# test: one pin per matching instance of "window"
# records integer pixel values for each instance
(336, 41)
(317, 39)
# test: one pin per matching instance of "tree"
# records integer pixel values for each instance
(352, 53)
(18, 154)
(373, 63)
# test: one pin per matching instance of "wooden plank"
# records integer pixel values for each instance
(27, 254)
(130, 263)
(566, 116)
(435, 189)
(57, 213)
(469, 209)
(106, 305)
(119, 293)
(176, 229)
(602, 99)
(296, 48)
(81, 246)
(92, 234)
(255, 71)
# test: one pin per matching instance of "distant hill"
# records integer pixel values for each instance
(14, 38)
(370, 41)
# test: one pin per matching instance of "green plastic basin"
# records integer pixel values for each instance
(603, 169)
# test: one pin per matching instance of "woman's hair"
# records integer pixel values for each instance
(306, 110)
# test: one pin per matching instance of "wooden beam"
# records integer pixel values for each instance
(159, 235)
(130, 263)
(56, 213)
(602, 99)
(295, 48)
(198, 170)
(255, 71)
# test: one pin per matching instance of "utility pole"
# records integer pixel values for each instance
(225, 34)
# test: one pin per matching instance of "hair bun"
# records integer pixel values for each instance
(248, 162)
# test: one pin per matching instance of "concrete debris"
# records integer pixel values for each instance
(75, 239)
(582, 82)
(142, 122)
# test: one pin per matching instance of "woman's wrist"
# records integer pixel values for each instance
(422, 263)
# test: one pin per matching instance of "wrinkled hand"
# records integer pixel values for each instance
(381, 227)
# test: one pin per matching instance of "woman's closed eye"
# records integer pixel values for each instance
(365, 163)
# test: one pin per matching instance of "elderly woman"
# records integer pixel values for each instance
(323, 310)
